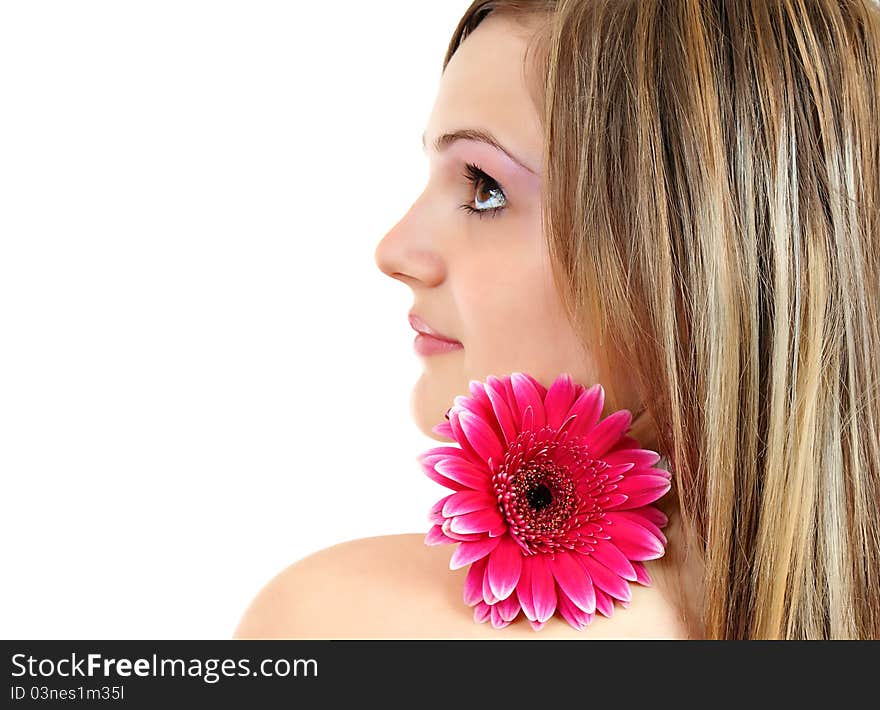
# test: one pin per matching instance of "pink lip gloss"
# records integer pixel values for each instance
(427, 345)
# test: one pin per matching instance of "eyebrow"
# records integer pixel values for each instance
(473, 134)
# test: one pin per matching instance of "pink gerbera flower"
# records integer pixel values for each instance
(551, 506)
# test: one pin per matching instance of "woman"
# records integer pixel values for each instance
(679, 199)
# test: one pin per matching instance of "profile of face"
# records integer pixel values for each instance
(471, 247)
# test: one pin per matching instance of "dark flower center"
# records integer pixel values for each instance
(539, 496)
(547, 489)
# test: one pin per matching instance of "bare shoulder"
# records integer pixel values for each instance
(395, 586)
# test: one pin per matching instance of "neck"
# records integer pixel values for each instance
(682, 569)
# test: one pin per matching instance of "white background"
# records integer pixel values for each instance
(204, 377)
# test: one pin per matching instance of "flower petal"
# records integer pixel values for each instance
(435, 536)
(479, 521)
(574, 581)
(480, 395)
(528, 419)
(612, 501)
(444, 429)
(641, 490)
(588, 408)
(498, 622)
(607, 432)
(604, 603)
(609, 555)
(508, 607)
(497, 397)
(605, 579)
(524, 590)
(626, 442)
(636, 537)
(464, 537)
(642, 576)
(468, 451)
(463, 403)
(543, 588)
(429, 458)
(498, 530)
(515, 411)
(479, 399)
(562, 432)
(559, 399)
(527, 394)
(437, 477)
(505, 565)
(467, 552)
(435, 514)
(542, 391)
(482, 612)
(473, 582)
(537, 625)
(577, 618)
(654, 515)
(488, 596)
(441, 452)
(616, 473)
(467, 502)
(465, 473)
(642, 458)
(480, 435)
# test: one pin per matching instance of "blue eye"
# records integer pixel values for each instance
(477, 177)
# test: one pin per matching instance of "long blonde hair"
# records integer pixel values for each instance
(711, 205)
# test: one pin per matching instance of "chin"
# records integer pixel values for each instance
(431, 398)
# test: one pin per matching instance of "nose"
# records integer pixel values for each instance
(407, 252)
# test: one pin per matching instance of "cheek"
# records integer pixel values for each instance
(514, 319)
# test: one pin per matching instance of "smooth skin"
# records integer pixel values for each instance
(396, 587)
(485, 281)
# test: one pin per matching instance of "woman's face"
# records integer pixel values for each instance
(482, 278)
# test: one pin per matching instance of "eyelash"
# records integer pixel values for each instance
(474, 175)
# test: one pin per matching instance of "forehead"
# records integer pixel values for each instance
(484, 87)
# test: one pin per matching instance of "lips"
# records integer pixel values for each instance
(420, 326)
